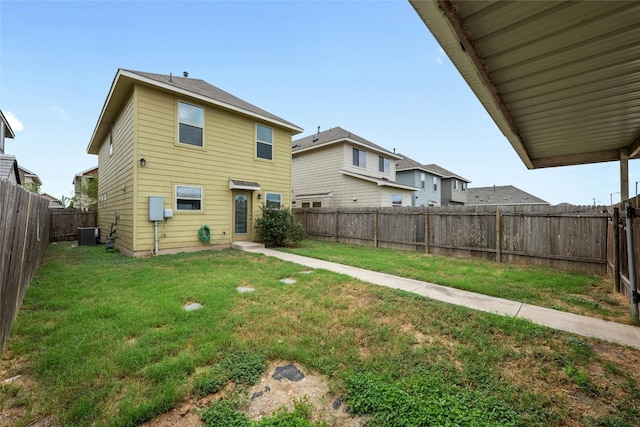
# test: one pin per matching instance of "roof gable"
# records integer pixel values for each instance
(407, 163)
(9, 166)
(334, 136)
(194, 88)
(8, 132)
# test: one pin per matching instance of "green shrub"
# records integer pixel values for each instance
(278, 227)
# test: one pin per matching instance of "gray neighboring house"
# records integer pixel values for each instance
(502, 195)
(337, 168)
(436, 185)
(8, 164)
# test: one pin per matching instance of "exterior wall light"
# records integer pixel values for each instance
(143, 162)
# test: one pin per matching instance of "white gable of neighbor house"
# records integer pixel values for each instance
(321, 172)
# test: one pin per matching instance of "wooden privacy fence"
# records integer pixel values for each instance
(24, 222)
(618, 248)
(65, 223)
(570, 238)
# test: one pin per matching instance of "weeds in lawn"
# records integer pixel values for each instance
(115, 347)
(561, 290)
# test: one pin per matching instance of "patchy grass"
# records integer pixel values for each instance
(104, 340)
(561, 290)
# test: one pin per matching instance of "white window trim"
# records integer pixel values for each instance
(363, 164)
(184, 144)
(386, 164)
(396, 195)
(266, 198)
(264, 142)
(201, 198)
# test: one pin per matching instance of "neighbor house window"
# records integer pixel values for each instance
(383, 164)
(423, 179)
(274, 200)
(305, 204)
(188, 198)
(464, 186)
(435, 183)
(455, 184)
(396, 200)
(190, 124)
(317, 204)
(264, 147)
(359, 158)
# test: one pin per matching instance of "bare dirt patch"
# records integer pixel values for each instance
(271, 393)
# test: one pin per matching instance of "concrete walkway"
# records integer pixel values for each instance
(582, 325)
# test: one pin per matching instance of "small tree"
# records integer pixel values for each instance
(32, 186)
(88, 197)
(278, 227)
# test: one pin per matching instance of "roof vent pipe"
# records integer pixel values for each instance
(185, 74)
(318, 129)
(171, 77)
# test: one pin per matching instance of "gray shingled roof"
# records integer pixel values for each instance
(200, 87)
(408, 164)
(335, 135)
(501, 195)
(8, 166)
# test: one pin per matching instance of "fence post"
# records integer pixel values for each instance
(335, 233)
(615, 248)
(375, 227)
(426, 230)
(498, 237)
(306, 223)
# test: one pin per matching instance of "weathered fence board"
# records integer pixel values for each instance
(572, 238)
(65, 223)
(24, 222)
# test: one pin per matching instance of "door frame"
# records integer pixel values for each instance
(248, 236)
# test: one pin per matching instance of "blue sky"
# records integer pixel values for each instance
(370, 67)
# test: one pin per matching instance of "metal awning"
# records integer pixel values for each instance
(238, 184)
(560, 79)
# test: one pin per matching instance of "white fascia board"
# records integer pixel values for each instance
(209, 100)
(380, 182)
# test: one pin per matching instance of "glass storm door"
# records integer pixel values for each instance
(241, 217)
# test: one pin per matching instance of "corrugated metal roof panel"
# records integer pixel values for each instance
(560, 79)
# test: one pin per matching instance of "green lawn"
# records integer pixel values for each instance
(562, 290)
(103, 339)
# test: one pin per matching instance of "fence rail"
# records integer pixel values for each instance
(65, 223)
(570, 238)
(24, 232)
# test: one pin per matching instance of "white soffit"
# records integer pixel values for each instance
(560, 79)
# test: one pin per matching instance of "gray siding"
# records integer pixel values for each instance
(452, 196)
(424, 196)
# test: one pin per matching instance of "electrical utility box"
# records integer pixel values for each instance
(156, 208)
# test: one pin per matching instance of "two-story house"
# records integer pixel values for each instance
(8, 164)
(185, 165)
(436, 185)
(337, 168)
(80, 181)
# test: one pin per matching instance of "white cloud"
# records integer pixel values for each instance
(61, 112)
(440, 55)
(14, 122)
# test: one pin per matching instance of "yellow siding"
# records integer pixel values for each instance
(115, 178)
(228, 152)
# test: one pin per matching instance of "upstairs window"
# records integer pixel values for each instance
(435, 183)
(464, 186)
(359, 158)
(274, 200)
(188, 198)
(455, 184)
(190, 123)
(383, 164)
(423, 179)
(264, 142)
